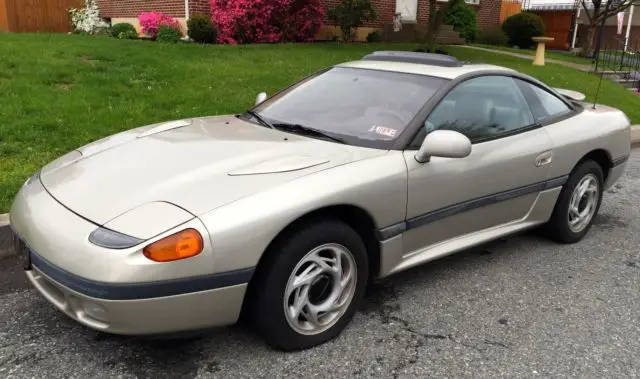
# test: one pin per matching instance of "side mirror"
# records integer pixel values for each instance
(445, 144)
(262, 96)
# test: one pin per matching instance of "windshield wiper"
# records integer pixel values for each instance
(307, 131)
(261, 119)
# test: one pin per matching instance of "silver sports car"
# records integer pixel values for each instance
(284, 213)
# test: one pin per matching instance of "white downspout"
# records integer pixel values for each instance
(575, 30)
(629, 22)
(186, 20)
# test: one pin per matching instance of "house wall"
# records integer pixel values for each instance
(559, 24)
(128, 10)
(132, 8)
(509, 8)
(487, 15)
(386, 9)
(610, 37)
(487, 12)
(4, 25)
(37, 15)
(613, 21)
(199, 7)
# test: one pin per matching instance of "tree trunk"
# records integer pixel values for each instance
(589, 43)
(432, 23)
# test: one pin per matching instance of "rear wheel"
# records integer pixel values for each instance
(310, 285)
(578, 204)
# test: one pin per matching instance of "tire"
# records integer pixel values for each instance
(559, 228)
(299, 250)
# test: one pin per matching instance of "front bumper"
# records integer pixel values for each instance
(160, 315)
(119, 291)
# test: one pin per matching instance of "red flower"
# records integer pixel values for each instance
(150, 22)
(266, 21)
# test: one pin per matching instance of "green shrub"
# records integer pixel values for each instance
(201, 29)
(463, 19)
(374, 36)
(127, 31)
(493, 36)
(168, 34)
(351, 14)
(521, 27)
(127, 35)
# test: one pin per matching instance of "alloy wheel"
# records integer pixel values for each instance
(320, 289)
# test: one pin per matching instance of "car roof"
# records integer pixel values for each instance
(414, 67)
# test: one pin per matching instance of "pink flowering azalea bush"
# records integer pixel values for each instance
(266, 21)
(150, 22)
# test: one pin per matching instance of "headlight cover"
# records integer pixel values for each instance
(112, 240)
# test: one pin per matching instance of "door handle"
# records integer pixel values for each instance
(544, 159)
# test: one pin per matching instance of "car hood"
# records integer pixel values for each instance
(197, 164)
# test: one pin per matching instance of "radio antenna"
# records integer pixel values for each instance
(595, 100)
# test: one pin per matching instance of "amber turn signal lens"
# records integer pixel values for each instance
(182, 245)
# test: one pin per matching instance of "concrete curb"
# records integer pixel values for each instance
(635, 135)
(6, 237)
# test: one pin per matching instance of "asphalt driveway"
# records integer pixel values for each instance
(519, 307)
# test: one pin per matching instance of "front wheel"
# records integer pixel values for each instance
(578, 204)
(310, 286)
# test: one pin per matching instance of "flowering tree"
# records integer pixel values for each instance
(264, 21)
(150, 22)
(87, 19)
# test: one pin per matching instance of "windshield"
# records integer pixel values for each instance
(359, 106)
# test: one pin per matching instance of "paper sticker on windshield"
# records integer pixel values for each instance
(384, 131)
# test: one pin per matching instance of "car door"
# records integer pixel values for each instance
(555, 114)
(496, 184)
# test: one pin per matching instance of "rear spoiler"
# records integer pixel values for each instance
(571, 95)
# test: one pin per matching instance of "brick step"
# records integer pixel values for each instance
(628, 83)
(606, 72)
(408, 33)
(614, 75)
(446, 28)
(418, 33)
(449, 35)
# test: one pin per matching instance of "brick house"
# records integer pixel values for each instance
(413, 11)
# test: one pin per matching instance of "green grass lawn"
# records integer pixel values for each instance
(610, 60)
(59, 92)
(552, 54)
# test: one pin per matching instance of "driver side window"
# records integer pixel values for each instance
(481, 108)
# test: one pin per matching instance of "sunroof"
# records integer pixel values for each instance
(414, 57)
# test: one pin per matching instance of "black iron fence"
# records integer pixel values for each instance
(619, 62)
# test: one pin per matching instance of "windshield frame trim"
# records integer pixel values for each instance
(397, 144)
